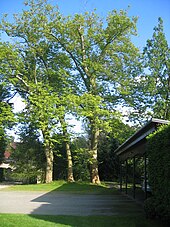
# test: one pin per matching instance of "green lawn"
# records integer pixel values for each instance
(62, 186)
(37, 187)
(15, 220)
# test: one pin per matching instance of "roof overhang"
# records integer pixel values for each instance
(136, 144)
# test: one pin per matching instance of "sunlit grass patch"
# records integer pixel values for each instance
(63, 186)
(37, 187)
(15, 220)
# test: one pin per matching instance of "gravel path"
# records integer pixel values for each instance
(5, 185)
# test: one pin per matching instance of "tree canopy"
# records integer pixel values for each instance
(153, 89)
(82, 65)
(6, 116)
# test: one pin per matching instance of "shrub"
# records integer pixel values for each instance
(158, 151)
(149, 207)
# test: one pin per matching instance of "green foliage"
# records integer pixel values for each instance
(108, 161)
(81, 159)
(37, 70)
(3, 143)
(156, 80)
(103, 59)
(108, 142)
(159, 170)
(103, 62)
(60, 159)
(120, 131)
(28, 157)
(150, 208)
(81, 164)
(42, 110)
(53, 56)
(6, 114)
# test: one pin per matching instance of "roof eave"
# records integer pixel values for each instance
(126, 145)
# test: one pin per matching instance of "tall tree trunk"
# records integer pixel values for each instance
(94, 165)
(49, 158)
(49, 164)
(70, 177)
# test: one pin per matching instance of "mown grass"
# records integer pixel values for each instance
(37, 187)
(63, 186)
(15, 220)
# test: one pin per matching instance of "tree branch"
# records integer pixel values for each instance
(23, 81)
(83, 52)
(77, 63)
(11, 97)
(110, 40)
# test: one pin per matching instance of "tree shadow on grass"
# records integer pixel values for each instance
(97, 221)
(85, 188)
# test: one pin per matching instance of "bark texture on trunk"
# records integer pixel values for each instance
(49, 157)
(94, 166)
(49, 165)
(70, 177)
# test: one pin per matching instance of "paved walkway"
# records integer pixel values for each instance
(5, 185)
(55, 203)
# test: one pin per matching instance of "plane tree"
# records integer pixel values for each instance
(31, 65)
(104, 64)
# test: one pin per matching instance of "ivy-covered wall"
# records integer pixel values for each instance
(158, 151)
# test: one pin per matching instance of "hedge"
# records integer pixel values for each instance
(158, 151)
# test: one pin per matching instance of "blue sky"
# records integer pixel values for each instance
(148, 12)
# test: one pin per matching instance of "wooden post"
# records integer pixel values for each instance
(134, 184)
(126, 175)
(1, 174)
(120, 176)
(145, 174)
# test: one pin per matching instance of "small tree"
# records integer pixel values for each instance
(156, 81)
(28, 157)
(108, 161)
(81, 158)
(108, 142)
(60, 158)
